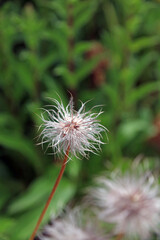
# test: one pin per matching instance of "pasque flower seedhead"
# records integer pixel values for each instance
(67, 130)
(130, 202)
(70, 227)
(79, 130)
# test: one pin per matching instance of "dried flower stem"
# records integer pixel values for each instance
(51, 195)
(119, 236)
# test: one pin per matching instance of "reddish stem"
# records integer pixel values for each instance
(51, 195)
(119, 236)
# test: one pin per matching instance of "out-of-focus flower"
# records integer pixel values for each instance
(130, 202)
(65, 127)
(98, 75)
(154, 140)
(70, 227)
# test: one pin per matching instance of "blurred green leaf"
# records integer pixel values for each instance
(143, 91)
(128, 131)
(6, 193)
(6, 224)
(25, 223)
(144, 42)
(59, 7)
(74, 167)
(38, 191)
(138, 66)
(86, 68)
(83, 13)
(67, 76)
(23, 146)
(81, 48)
(25, 77)
(111, 94)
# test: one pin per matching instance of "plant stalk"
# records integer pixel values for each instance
(120, 236)
(51, 194)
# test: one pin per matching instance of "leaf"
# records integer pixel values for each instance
(144, 42)
(25, 76)
(111, 93)
(142, 92)
(6, 193)
(37, 192)
(81, 48)
(5, 118)
(5, 224)
(34, 193)
(26, 222)
(129, 130)
(83, 13)
(52, 88)
(139, 65)
(60, 39)
(73, 169)
(59, 7)
(21, 145)
(110, 15)
(68, 76)
(48, 61)
(86, 68)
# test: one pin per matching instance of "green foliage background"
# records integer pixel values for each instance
(107, 51)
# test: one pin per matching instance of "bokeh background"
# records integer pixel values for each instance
(104, 50)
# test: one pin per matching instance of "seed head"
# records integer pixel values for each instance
(65, 127)
(131, 203)
(70, 227)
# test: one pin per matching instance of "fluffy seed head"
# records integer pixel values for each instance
(70, 227)
(132, 203)
(66, 127)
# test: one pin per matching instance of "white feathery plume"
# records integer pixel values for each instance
(130, 202)
(70, 227)
(65, 127)
(67, 130)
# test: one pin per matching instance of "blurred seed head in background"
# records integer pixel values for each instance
(72, 226)
(131, 202)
